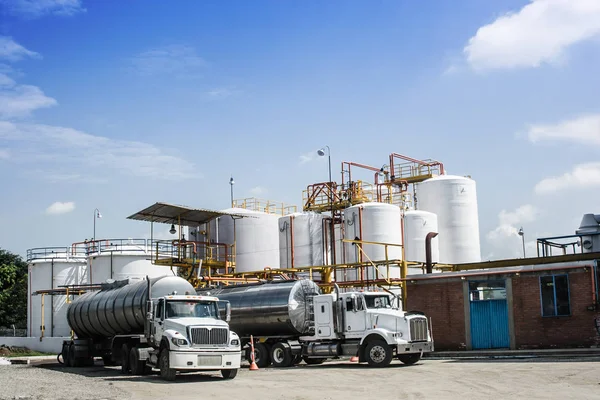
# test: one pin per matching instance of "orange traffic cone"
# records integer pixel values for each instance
(253, 366)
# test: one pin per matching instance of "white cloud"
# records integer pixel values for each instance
(38, 8)
(257, 191)
(308, 157)
(175, 60)
(509, 220)
(582, 176)
(20, 100)
(539, 33)
(60, 208)
(12, 51)
(64, 150)
(584, 129)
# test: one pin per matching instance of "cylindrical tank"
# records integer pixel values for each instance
(50, 269)
(123, 261)
(271, 308)
(417, 224)
(301, 240)
(119, 308)
(454, 200)
(374, 222)
(256, 238)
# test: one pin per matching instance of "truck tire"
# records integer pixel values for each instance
(125, 368)
(137, 366)
(409, 359)
(378, 353)
(166, 372)
(229, 373)
(281, 355)
(261, 355)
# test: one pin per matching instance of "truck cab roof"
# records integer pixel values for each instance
(191, 297)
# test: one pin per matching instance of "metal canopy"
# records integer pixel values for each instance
(180, 215)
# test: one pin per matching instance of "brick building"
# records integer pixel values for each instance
(540, 306)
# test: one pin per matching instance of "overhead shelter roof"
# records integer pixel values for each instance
(173, 214)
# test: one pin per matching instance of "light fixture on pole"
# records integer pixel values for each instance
(321, 152)
(96, 215)
(231, 183)
(172, 231)
(522, 234)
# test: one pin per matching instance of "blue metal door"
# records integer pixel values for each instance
(489, 318)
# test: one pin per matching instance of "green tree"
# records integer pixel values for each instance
(13, 290)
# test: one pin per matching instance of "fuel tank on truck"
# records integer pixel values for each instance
(276, 308)
(119, 308)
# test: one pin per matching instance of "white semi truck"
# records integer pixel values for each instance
(154, 323)
(292, 321)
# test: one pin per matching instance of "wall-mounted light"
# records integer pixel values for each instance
(172, 231)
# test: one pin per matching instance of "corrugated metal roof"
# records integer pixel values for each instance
(175, 214)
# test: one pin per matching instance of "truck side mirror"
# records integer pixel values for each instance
(227, 312)
(149, 309)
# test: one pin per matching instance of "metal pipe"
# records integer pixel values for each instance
(292, 238)
(428, 261)
(52, 300)
(594, 283)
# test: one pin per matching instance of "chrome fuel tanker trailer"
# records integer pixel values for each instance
(292, 321)
(153, 323)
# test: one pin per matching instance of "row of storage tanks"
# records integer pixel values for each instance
(446, 205)
(53, 268)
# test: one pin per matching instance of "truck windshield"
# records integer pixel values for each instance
(193, 309)
(378, 301)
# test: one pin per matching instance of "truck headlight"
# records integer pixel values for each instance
(179, 342)
(235, 342)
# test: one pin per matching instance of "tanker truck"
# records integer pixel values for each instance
(152, 323)
(291, 321)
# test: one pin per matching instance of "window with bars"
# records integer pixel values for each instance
(554, 294)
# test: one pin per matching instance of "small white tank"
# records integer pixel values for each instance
(417, 224)
(257, 238)
(374, 222)
(454, 200)
(51, 268)
(301, 240)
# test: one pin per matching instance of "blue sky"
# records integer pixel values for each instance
(117, 105)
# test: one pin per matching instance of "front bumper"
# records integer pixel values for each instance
(204, 360)
(415, 347)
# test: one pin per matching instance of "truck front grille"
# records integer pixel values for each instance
(208, 335)
(418, 330)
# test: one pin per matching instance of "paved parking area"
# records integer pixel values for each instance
(543, 378)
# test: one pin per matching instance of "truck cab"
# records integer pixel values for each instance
(187, 333)
(369, 325)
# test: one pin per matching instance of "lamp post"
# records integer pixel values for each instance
(96, 215)
(231, 183)
(321, 152)
(522, 234)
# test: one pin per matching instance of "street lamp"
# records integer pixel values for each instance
(522, 234)
(231, 183)
(321, 152)
(96, 215)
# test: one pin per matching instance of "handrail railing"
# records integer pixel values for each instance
(267, 206)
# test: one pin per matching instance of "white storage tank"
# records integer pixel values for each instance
(301, 240)
(374, 222)
(123, 259)
(417, 224)
(51, 268)
(454, 200)
(256, 238)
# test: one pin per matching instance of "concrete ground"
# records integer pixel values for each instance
(529, 378)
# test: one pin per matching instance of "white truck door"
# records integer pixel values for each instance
(355, 316)
(323, 316)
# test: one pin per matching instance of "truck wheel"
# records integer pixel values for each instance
(166, 372)
(261, 355)
(229, 373)
(125, 367)
(297, 359)
(137, 366)
(281, 354)
(378, 353)
(409, 359)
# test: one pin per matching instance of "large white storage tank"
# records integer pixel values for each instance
(256, 238)
(374, 222)
(118, 260)
(51, 269)
(302, 240)
(454, 200)
(417, 224)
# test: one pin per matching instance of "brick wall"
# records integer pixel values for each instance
(534, 331)
(442, 300)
